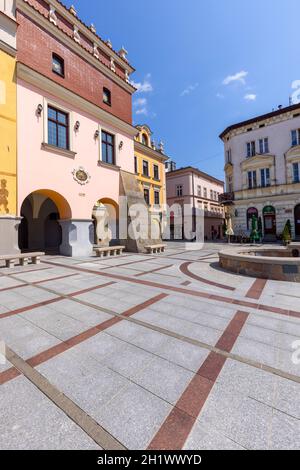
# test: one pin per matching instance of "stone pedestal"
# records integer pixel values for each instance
(9, 235)
(77, 237)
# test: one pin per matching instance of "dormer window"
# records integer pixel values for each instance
(107, 96)
(58, 65)
(145, 140)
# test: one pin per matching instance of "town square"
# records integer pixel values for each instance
(149, 279)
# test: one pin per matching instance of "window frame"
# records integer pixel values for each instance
(265, 177)
(251, 149)
(108, 92)
(59, 124)
(157, 193)
(264, 145)
(147, 200)
(62, 62)
(156, 167)
(112, 145)
(135, 165)
(179, 190)
(296, 169)
(146, 164)
(252, 179)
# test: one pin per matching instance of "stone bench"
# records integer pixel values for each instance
(155, 249)
(23, 258)
(109, 251)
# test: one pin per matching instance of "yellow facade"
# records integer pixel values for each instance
(145, 152)
(8, 135)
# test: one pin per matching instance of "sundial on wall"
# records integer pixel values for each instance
(81, 176)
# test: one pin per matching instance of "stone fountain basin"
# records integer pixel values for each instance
(280, 264)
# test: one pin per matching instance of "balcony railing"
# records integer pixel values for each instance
(226, 198)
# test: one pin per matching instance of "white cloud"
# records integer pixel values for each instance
(250, 97)
(140, 102)
(189, 89)
(145, 86)
(143, 111)
(238, 77)
(220, 96)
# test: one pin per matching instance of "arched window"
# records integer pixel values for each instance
(145, 140)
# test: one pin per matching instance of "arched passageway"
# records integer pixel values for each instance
(40, 228)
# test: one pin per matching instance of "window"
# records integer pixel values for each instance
(156, 198)
(295, 137)
(252, 182)
(58, 128)
(296, 172)
(199, 191)
(156, 172)
(211, 194)
(145, 140)
(107, 96)
(205, 192)
(135, 165)
(264, 145)
(179, 190)
(145, 168)
(108, 148)
(228, 156)
(147, 196)
(58, 65)
(265, 177)
(251, 149)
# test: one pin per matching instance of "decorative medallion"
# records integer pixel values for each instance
(81, 176)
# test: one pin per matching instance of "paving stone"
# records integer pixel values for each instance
(202, 438)
(29, 421)
(134, 416)
(164, 379)
(128, 360)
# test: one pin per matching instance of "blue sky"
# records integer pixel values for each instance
(202, 65)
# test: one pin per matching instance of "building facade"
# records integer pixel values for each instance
(197, 190)
(149, 167)
(75, 133)
(262, 167)
(8, 129)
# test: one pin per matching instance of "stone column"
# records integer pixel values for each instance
(77, 237)
(9, 226)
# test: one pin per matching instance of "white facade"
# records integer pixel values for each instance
(261, 161)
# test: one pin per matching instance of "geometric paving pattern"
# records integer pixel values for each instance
(147, 352)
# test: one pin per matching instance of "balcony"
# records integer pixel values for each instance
(226, 199)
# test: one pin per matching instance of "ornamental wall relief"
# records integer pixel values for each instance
(81, 176)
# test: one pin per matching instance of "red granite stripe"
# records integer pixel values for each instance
(256, 289)
(12, 287)
(186, 283)
(9, 375)
(50, 353)
(175, 430)
(184, 268)
(181, 290)
(154, 270)
(29, 307)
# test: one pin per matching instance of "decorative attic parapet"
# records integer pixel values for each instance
(123, 53)
(76, 35)
(109, 43)
(161, 147)
(52, 15)
(96, 51)
(93, 29)
(73, 10)
(112, 64)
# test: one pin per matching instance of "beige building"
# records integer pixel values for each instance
(195, 189)
(262, 167)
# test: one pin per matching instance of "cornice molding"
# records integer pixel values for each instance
(38, 18)
(293, 152)
(45, 84)
(8, 49)
(148, 151)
